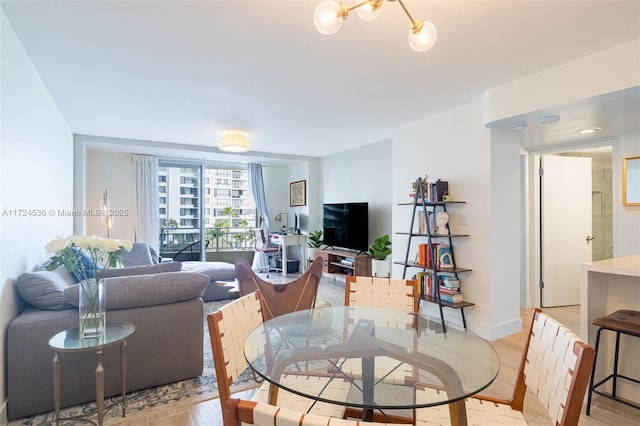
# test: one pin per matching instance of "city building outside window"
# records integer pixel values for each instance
(226, 217)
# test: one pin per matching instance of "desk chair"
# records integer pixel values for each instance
(555, 366)
(261, 245)
(228, 330)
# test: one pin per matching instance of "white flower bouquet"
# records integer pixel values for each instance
(87, 259)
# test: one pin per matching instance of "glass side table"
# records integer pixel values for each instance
(69, 341)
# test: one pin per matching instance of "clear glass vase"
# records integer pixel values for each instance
(92, 309)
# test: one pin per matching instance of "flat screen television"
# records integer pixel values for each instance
(346, 225)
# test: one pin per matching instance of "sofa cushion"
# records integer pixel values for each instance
(147, 290)
(140, 254)
(216, 271)
(44, 289)
(143, 270)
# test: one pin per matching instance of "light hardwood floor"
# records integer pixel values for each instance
(603, 412)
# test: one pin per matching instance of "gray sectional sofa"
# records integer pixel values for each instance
(165, 304)
(143, 254)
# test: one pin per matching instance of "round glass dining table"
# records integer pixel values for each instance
(386, 355)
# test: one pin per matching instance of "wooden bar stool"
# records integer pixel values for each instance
(620, 322)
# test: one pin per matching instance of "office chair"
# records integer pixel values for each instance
(261, 245)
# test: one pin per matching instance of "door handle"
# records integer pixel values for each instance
(590, 238)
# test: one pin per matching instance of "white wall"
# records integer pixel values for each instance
(358, 175)
(115, 173)
(36, 173)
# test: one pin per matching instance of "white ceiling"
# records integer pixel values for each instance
(185, 71)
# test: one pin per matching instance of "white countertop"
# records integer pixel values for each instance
(625, 265)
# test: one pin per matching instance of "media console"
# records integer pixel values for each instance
(345, 262)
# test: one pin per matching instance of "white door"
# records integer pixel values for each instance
(566, 227)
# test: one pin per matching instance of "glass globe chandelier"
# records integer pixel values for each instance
(329, 16)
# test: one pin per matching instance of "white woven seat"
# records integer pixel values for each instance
(387, 293)
(242, 412)
(229, 328)
(555, 367)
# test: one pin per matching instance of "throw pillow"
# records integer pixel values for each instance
(147, 290)
(45, 289)
(143, 270)
(140, 254)
(85, 264)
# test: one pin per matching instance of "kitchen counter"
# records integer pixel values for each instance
(606, 286)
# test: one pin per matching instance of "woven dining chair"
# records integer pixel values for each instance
(228, 330)
(555, 366)
(388, 293)
(238, 411)
(280, 299)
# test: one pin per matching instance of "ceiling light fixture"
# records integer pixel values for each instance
(547, 119)
(329, 16)
(234, 142)
(589, 131)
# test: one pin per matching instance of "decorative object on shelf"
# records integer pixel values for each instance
(234, 142)
(380, 250)
(105, 212)
(298, 193)
(87, 259)
(329, 17)
(442, 219)
(442, 187)
(425, 186)
(314, 241)
(446, 257)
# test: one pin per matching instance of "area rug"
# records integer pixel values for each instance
(197, 389)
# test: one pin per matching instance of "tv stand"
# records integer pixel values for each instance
(345, 262)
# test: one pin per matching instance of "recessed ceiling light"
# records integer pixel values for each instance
(589, 131)
(546, 119)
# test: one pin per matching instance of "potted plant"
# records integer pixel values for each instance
(380, 250)
(314, 241)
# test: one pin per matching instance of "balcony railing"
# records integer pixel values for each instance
(220, 239)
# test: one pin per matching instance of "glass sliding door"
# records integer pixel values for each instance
(180, 204)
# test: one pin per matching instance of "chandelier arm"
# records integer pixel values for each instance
(357, 5)
(413, 22)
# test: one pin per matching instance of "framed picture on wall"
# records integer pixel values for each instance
(298, 193)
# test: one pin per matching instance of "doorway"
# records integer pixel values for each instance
(600, 196)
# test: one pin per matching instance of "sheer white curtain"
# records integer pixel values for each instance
(147, 222)
(256, 184)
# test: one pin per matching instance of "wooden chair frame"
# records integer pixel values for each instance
(555, 365)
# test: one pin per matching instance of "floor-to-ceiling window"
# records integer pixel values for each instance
(205, 208)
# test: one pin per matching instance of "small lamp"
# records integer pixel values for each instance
(279, 219)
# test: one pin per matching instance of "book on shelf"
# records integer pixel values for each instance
(449, 282)
(452, 298)
(449, 290)
(422, 279)
(425, 257)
